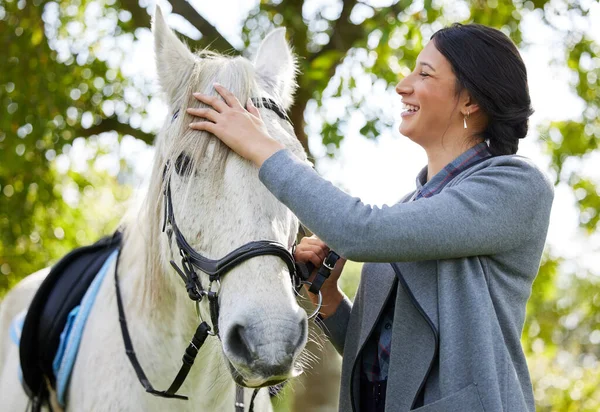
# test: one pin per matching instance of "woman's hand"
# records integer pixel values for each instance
(311, 249)
(314, 250)
(240, 129)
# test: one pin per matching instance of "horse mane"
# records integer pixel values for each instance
(202, 148)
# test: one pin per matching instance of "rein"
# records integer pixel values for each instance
(188, 357)
(215, 269)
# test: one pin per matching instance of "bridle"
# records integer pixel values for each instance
(191, 261)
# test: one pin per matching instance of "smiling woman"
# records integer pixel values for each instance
(438, 315)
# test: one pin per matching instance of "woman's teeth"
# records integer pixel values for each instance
(410, 108)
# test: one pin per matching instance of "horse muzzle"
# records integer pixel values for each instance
(264, 353)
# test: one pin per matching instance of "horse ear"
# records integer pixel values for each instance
(276, 67)
(174, 61)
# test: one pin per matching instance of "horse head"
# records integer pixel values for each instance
(219, 203)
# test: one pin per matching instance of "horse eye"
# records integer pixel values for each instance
(183, 165)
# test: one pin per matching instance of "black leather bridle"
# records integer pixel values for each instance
(191, 261)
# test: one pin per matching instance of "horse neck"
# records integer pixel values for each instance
(158, 297)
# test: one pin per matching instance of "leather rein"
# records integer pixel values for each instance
(191, 261)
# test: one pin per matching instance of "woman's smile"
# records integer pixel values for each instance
(409, 110)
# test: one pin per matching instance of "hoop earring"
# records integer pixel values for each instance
(465, 119)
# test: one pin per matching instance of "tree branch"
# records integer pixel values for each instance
(297, 117)
(110, 124)
(344, 34)
(343, 37)
(209, 32)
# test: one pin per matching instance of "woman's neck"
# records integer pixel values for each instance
(440, 155)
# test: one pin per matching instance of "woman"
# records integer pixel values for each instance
(439, 329)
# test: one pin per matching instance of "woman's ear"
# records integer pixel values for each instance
(468, 105)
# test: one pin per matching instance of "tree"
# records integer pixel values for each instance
(53, 90)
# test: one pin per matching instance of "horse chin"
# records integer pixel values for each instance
(257, 382)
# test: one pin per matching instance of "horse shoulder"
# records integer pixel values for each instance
(18, 299)
(14, 302)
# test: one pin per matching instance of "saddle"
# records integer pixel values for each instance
(61, 291)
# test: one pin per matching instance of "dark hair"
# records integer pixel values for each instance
(488, 65)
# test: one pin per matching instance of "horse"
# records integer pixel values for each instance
(219, 205)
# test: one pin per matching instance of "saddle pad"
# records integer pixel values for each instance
(70, 337)
(61, 291)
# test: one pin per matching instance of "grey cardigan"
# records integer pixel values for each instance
(465, 262)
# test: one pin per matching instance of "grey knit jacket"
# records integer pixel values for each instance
(465, 260)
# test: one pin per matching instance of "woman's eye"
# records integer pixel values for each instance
(183, 165)
(423, 74)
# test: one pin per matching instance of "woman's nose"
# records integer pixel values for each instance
(403, 87)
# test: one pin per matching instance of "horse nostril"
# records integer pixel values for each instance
(299, 343)
(239, 344)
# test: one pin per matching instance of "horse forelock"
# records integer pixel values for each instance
(235, 73)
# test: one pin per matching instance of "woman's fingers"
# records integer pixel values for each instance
(313, 253)
(319, 251)
(214, 101)
(252, 109)
(203, 113)
(242, 131)
(313, 240)
(229, 97)
(309, 256)
(305, 253)
(206, 126)
(311, 249)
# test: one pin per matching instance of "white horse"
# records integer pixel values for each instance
(219, 204)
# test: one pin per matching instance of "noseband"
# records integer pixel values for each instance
(191, 261)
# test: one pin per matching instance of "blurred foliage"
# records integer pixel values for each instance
(63, 85)
(562, 337)
(65, 209)
(55, 85)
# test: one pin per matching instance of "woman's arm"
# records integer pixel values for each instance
(495, 209)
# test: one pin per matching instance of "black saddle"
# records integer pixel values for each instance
(61, 291)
